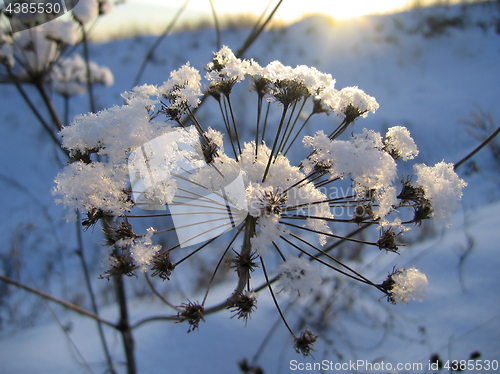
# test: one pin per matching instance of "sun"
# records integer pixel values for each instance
(341, 9)
(292, 10)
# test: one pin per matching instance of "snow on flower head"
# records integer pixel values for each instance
(93, 186)
(69, 78)
(182, 90)
(297, 275)
(400, 144)
(442, 187)
(143, 250)
(353, 102)
(86, 10)
(225, 70)
(361, 158)
(406, 284)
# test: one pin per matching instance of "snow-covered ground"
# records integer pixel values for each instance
(428, 84)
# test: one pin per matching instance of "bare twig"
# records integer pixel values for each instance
(149, 54)
(478, 148)
(64, 303)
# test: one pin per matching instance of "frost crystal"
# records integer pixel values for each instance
(408, 284)
(361, 158)
(87, 186)
(143, 250)
(183, 89)
(442, 187)
(400, 144)
(298, 275)
(226, 69)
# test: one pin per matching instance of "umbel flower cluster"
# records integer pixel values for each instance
(153, 154)
(37, 55)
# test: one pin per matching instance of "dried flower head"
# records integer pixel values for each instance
(244, 264)
(303, 343)
(193, 313)
(410, 192)
(123, 232)
(402, 285)
(162, 266)
(244, 305)
(120, 264)
(93, 216)
(387, 240)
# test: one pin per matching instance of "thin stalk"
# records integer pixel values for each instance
(274, 298)
(298, 133)
(216, 22)
(246, 252)
(149, 55)
(285, 109)
(121, 298)
(90, 88)
(259, 112)
(328, 234)
(159, 295)
(64, 303)
(477, 149)
(234, 122)
(88, 284)
(124, 324)
(294, 124)
(219, 263)
(265, 121)
(49, 104)
(287, 126)
(228, 129)
(255, 34)
(34, 109)
(314, 258)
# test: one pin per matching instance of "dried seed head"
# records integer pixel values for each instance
(122, 232)
(260, 85)
(93, 216)
(193, 313)
(410, 192)
(352, 112)
(289, 91)
(244, 264)
(423, 211)
(244, 305)
(273, 202)
(318, 106)
(210, 151)
(303, 344)
(361, 213)
(162, 266)
(388, 240)
(121, 264)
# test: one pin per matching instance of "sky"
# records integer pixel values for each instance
(152, 16)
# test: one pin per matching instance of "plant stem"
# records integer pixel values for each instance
(88, 284)
(477, 149)
(64, 303)
(90, 88)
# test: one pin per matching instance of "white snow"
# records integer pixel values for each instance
(426, 85)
